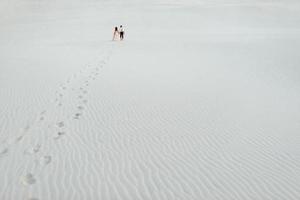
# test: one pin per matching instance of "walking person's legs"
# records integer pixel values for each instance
(116, 31)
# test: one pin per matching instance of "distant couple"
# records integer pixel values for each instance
(119, 32)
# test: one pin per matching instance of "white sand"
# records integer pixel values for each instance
(201, 100)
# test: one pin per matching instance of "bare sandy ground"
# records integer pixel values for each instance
(200, 101)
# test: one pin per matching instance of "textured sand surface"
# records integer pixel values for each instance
(201, 100)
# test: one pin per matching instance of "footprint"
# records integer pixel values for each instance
(80, 96)
(42, 118)
(59, 134)
(18, 139)
(34, 150)
(80, 107)
(45, 160)
(61, 95)
(77, 115)
(84, 92)
(28, 179)
(60, 104)
(3, 152)
(60, 124)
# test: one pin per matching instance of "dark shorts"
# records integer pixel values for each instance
(121, 34)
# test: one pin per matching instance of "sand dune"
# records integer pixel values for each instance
(200, 101)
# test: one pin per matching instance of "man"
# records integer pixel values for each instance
(121, 31)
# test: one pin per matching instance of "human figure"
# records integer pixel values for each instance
(121, 32)
(116, 32)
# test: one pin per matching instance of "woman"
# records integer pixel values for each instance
(115, 33)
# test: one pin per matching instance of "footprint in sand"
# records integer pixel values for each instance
(26, 128)
(3, 152)
(28, 179)
(80, 107)
(60, 124)
(59, 134)
(18, 139)
(77, 115)
(80, 96)
(84, 92)
(85, 101)
(45, 160)
(41, 118)
(33, 150)
(36, 148)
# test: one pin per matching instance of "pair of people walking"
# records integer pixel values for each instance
(118, 32)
